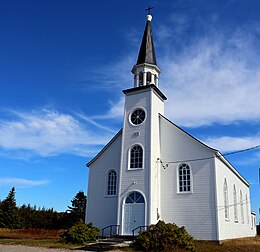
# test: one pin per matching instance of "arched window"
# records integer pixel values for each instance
(136, 157)
(184, 178)
(134, 197)
(111, 182)
(247, 211)
(235, 203)
(241, 207)
(225, 190)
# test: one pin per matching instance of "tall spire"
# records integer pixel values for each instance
(147, 51)
(146, 71)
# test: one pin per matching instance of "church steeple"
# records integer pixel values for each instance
(147, 51)
(146, 71)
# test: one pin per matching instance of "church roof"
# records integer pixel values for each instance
(147, 51)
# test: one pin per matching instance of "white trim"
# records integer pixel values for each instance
(104, 148)
(247, 210)
(129, 157)
(219, 156)
(123, 210)
(191, 179)
(226, 198)
(216, 198)
(235, 203)
(132, 111)
(119, 212)
(241, 206)
(106, 184)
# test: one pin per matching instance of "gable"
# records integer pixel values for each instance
(194, 149)
(171, 134)
(109, 145)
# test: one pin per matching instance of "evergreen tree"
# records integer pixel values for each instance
(8, 211)
(76, 212)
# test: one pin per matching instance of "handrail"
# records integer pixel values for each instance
(110, 230)
(140, 229)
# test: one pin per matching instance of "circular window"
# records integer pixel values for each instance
(138, 116)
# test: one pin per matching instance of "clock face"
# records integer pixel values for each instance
(138, 116)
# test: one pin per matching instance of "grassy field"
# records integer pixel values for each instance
(51, 239)
(236, 245)
(33, 237)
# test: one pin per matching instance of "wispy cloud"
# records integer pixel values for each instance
(115, 111)
(227, 143)
(215, 80)
(115, 75)
(47, 133)
(98, 125)
(22, 183)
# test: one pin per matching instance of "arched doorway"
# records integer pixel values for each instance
(134, 212)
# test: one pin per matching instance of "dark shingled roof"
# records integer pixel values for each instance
(147, 52)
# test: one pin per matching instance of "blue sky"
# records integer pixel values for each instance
(64, 64)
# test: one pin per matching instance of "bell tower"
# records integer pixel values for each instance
(146, 71)
(138, 194)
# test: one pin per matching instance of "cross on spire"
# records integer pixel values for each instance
(149, 9)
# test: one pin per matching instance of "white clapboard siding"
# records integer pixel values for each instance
(196, 210)
(102, 209)
(230, 228)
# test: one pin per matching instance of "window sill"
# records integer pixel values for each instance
(110, 196)
(187, 192)
(134, 169)
(227, 220)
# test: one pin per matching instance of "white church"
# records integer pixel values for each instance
(153, 170)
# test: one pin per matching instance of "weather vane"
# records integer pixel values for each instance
(149, 9)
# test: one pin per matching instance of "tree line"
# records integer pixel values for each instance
(31, 217)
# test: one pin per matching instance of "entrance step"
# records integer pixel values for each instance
(110, 244)
(117, 241)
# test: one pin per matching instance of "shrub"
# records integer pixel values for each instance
(81, 234)
(164, 237)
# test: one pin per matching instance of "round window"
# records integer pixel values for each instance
(138, 116)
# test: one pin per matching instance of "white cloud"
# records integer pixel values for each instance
(47, 133)
(98, 125)
(229, 144)
(215, 80)
(212, 80)
(22, 183)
